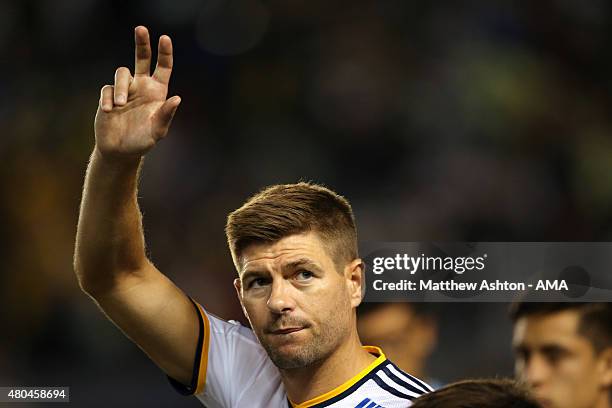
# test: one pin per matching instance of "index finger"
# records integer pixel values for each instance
(164, 60)
(143, 51)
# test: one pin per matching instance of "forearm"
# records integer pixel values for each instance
(109, 242)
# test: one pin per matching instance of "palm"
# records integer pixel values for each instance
(133, 126)
(130, 129)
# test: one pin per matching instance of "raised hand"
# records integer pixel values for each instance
(134, 114)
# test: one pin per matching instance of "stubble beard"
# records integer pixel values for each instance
(322, 344)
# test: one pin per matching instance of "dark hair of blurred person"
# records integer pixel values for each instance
(408, 332)
(485, 393)
(563, 351)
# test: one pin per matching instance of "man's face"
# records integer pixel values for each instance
(299, 305)
(558, 364)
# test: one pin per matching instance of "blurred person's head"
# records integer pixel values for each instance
(295, 249)
(563, 351)
(407, 332)
(494, 393)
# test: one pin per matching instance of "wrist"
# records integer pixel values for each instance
(117, 161)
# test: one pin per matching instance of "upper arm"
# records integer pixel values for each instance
(158, 317)
(189, 345)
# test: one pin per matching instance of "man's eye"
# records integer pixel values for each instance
(554, 355)
(257, 283)
(304, 275)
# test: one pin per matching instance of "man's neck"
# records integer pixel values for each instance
(309, 382)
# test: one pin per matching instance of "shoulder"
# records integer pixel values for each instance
(397, 379)
(380, 384)
(239, 369)
(388, 385)
(218, 326)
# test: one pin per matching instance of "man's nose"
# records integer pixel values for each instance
(281, 299)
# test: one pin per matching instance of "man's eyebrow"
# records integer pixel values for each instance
(554, 348)
(302, 263)
(252, 273)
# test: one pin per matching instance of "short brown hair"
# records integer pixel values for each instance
(485, 393)
(286, 209)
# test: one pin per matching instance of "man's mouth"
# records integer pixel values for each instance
(287, 330)
(544, 402)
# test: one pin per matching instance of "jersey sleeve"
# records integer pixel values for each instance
(228, 362)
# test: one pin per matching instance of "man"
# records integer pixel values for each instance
(563, 351)
(478, 394)
(408, 332)
(299, 275)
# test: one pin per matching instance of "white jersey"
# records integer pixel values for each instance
(232, 369)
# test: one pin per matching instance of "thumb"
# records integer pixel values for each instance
(163, 116)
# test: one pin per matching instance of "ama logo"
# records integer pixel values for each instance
(552, 285)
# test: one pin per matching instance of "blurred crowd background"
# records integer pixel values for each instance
(446, 121)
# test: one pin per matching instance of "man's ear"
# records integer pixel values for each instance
(354, 273)
(238, 287)
(605, 359)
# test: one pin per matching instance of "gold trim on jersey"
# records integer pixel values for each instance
(348, 384)
(204, 352)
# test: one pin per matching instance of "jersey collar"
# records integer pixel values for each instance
(348, 384)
